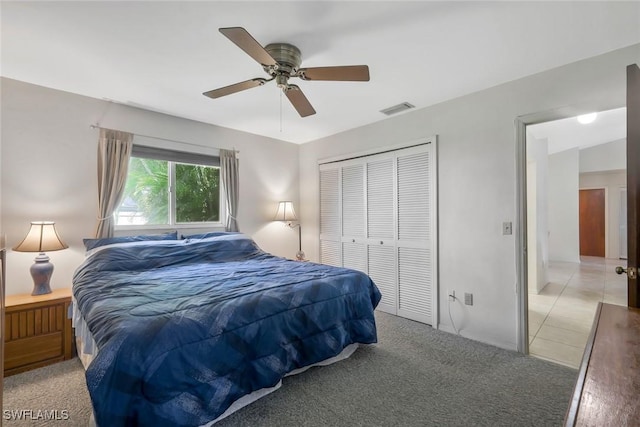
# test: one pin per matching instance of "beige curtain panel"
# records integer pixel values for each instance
(114, 151)
(230, 182)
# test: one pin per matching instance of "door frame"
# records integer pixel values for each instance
(520, 129)
(633, 183)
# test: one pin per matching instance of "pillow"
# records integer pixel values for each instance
(207, 235)
(94, 243)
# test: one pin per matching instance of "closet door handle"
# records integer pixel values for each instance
(353, 240)
(381, 242)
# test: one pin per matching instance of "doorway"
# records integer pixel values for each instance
(592, 222)
(564, 285)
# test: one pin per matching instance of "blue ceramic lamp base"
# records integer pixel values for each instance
(41, 272)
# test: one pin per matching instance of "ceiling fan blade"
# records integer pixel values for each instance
(351, 73)
(299, 101)
(246, 42)
(228, 90)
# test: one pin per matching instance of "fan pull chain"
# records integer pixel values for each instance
(280, 111)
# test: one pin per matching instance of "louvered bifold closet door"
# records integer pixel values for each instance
(354, 255)
(382, 270)
(381, 252)
(353, 213)
(377, 215)
(354, 249)
(415, 264)
(380, 219)
(330, 253)
(330, 228)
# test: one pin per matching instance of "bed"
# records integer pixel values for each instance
(181, 332)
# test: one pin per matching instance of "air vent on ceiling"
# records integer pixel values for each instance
(397, 108)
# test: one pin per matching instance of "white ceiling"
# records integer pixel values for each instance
(568, 133)
(162, 55)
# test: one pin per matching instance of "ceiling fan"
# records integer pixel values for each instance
(282, 61)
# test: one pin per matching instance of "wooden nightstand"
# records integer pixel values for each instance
(37, 331)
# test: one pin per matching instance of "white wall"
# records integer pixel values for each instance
(49, 172)
(477, 178)
(564, 231)
(612, 182)
(537, 212)
(604, 157)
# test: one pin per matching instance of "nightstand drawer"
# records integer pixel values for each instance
(37, 331)
(43, 348)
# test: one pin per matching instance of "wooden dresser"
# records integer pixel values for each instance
(2, 277)
(607, 391)
(37, 330)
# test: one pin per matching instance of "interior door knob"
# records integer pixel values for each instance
(632, 272)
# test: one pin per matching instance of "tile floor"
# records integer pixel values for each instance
(561, 315)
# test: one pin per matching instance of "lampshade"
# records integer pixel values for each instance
(285, 212)
(42, 237)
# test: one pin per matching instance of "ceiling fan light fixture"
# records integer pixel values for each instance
(282, 81)
(397, 108)
(585, 119)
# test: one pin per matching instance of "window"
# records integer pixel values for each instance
(170, 188)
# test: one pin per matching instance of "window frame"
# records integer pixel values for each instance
(174, 157)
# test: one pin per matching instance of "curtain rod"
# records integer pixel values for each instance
(161, 139)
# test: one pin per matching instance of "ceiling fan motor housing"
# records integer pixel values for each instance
(286, 55)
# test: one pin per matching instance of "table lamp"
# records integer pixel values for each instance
(287, 214)
(42, 237)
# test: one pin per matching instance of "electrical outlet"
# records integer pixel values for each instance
(468, 298)
(507, 228)
(452, 295)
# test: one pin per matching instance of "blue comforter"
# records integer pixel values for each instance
(185, 328)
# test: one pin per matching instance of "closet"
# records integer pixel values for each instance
(378, 215)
